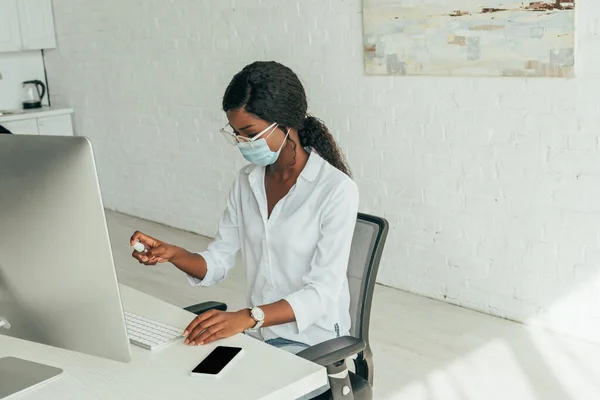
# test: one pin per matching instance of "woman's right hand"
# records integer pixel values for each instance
(156, 251)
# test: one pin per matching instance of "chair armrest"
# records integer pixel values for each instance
(206, 306)
(333, 350)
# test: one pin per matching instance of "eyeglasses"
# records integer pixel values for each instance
(234, 138)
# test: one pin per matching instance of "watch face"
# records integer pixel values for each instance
(258, 314)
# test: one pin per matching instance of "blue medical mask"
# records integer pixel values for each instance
(258, 151)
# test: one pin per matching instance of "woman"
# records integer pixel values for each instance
(291, 212)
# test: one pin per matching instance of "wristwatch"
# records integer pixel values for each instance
(258, 315)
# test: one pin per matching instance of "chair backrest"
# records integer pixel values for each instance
(365, 254)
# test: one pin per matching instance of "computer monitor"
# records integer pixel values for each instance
(58, 283)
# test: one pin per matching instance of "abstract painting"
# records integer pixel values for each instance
(466, 38)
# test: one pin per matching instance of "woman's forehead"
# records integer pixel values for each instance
(242, 119)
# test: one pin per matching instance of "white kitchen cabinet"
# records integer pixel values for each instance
(10, 34)
(45, 121)
(22, 127)
(37, 24)
(58, 125)
(26, 25)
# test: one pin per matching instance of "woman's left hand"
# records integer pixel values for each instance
(213, 325)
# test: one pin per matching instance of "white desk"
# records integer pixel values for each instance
(262, 373)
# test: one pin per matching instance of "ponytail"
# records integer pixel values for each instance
(314, 134)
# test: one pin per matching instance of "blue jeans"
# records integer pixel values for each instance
(295, 347)
(288, 345)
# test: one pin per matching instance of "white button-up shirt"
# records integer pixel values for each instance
(300, 253)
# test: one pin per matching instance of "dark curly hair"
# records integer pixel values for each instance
(273, 92)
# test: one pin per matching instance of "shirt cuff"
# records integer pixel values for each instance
(208, 278)
(301, 302)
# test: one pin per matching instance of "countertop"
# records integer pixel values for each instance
(18, 115)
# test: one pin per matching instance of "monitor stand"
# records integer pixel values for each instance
(18, 375)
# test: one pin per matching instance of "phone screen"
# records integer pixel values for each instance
(217, 360)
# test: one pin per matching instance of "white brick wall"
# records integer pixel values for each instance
(491, 186)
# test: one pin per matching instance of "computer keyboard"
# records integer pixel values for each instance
(149, 334)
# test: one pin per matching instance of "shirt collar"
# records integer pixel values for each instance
(312, 167)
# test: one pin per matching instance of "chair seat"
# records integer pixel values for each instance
(361, 388)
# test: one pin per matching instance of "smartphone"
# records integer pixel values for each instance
(218, 361)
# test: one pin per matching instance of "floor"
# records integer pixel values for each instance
(424, 349)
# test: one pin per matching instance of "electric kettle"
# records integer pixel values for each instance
(33, 93)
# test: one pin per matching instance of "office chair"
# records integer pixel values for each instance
(365, 254)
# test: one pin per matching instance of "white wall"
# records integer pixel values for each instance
(17, 67)
(491, 186)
